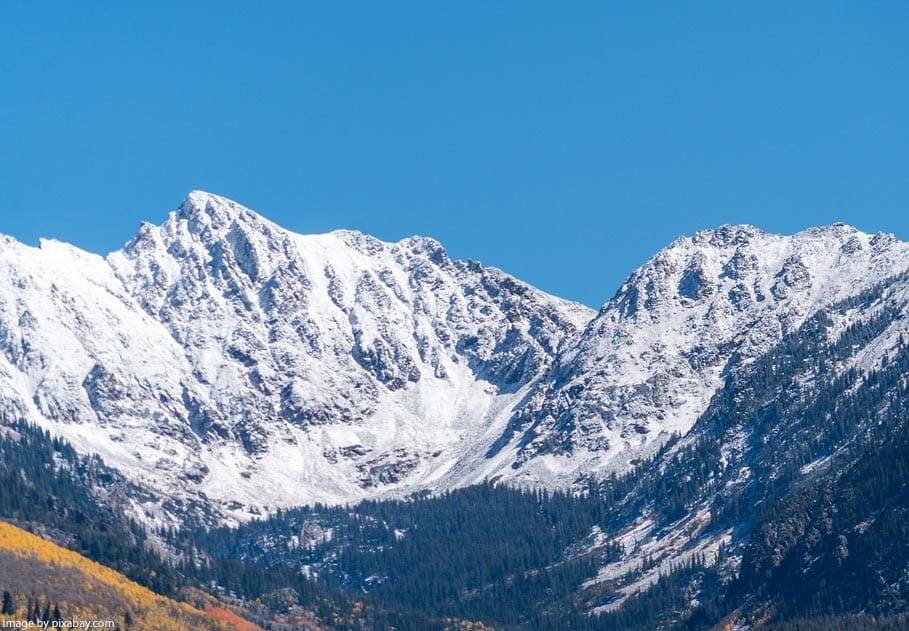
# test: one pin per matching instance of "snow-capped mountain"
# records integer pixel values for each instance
(219, 357)
(649, 363)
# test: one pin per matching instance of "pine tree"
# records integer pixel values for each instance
(8, 607)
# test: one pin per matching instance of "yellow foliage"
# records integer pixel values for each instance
(103, 591)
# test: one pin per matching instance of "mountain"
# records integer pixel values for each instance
(793, 482)
(648, 364)
(220, 357)
(723, 445)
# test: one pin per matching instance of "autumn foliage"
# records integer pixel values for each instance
(31, 567)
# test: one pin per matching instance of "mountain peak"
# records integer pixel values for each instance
(830, 231)
(727, 235)
(208, 209)
(198, 199)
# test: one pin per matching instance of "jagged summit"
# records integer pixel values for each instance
(733, 235)
(219, 210)
(209, 216)
(727, 235)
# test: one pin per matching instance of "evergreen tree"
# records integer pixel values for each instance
(8, 607)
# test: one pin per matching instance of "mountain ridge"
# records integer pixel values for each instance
(239, 323)
(222, 358)
(657, 350)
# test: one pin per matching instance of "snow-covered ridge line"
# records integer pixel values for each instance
(650, 361)
(219, 357)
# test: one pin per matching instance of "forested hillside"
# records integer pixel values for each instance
(44, 582)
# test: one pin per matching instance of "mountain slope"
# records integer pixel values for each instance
(790, 485)
(32, 569)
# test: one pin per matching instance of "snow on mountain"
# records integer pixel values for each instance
(220, 356)
(649, 363)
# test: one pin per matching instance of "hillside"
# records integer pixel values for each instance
(63, 582)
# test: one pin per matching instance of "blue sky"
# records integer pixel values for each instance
(562, 142)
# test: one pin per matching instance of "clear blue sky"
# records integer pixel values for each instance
(562, 142)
